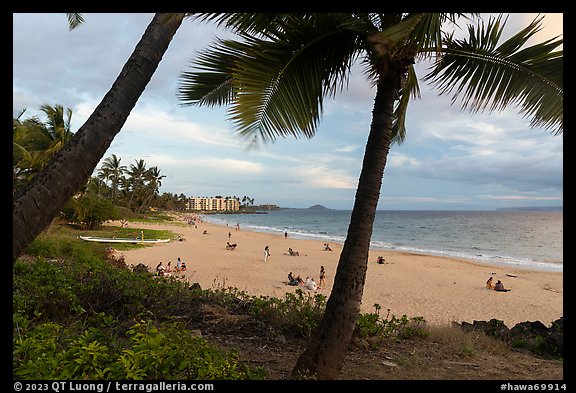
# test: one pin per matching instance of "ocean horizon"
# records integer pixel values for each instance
(514, 237)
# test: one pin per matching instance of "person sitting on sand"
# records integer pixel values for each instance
(380, 260)
(489, 283)
(311, 284)
(168, 267)
(293, 253)
(160, 269)
(231, 247)
(205, 232)
(292, 280)
(327, 247)
(500, 287)
(183, 268)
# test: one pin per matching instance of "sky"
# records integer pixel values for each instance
(451, 159)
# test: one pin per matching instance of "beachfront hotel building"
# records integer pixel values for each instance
(213, 203)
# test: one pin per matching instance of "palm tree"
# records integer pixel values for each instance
(30, 146)
(112, 171)
(35, 142)
(136, 181)
(276, 76)
(154, 181)
(58, 124)
(37, 203)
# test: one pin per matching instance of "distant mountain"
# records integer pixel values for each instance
(318, 207)
(552, 208)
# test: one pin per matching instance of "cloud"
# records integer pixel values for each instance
(311, 176)
(207, 164)
(178, 130)
(346, 149)
(521, 197)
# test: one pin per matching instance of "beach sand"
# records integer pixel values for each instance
(440, 289)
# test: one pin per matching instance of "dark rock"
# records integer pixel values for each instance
(141, 268)
(532, 336)
(494, 328)
(527, 327)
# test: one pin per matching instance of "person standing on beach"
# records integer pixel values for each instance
(266, 253)
(322, 282)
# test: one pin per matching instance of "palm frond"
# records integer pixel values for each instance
(275, 85)
(246, 23)
(493, 76)
(282, 83)
(210, 82)
(74, 20)
(410, 89)
(428, 32)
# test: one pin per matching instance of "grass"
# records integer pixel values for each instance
(467, 343)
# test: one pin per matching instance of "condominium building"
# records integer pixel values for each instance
(212, 203)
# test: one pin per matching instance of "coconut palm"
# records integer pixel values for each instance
(37, 203)
(153, 180)
(30, 149)
(58, 123)
(30, 134)
(35, 142)
(277, 74)
(111, 170)
(136, 182)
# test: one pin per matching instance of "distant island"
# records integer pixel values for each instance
(318, 207)
(552, 208)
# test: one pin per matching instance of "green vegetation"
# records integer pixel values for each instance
(36, 142)
(77, 316)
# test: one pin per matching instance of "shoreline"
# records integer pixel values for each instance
(440, 289)
(502, 261)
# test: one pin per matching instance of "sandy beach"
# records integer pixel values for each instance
(439, 289)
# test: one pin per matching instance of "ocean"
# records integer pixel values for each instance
(528, 239)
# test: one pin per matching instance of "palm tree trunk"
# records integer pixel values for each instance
(36, 204)
(324, 356)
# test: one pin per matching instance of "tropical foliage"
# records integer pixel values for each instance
(35, 142)
(90, 319)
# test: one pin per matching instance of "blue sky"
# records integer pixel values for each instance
(450, 160)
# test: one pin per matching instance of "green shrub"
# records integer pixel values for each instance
(368, 325)
(169, 352)
(371, 325)
(50, 351)
(297, 312)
